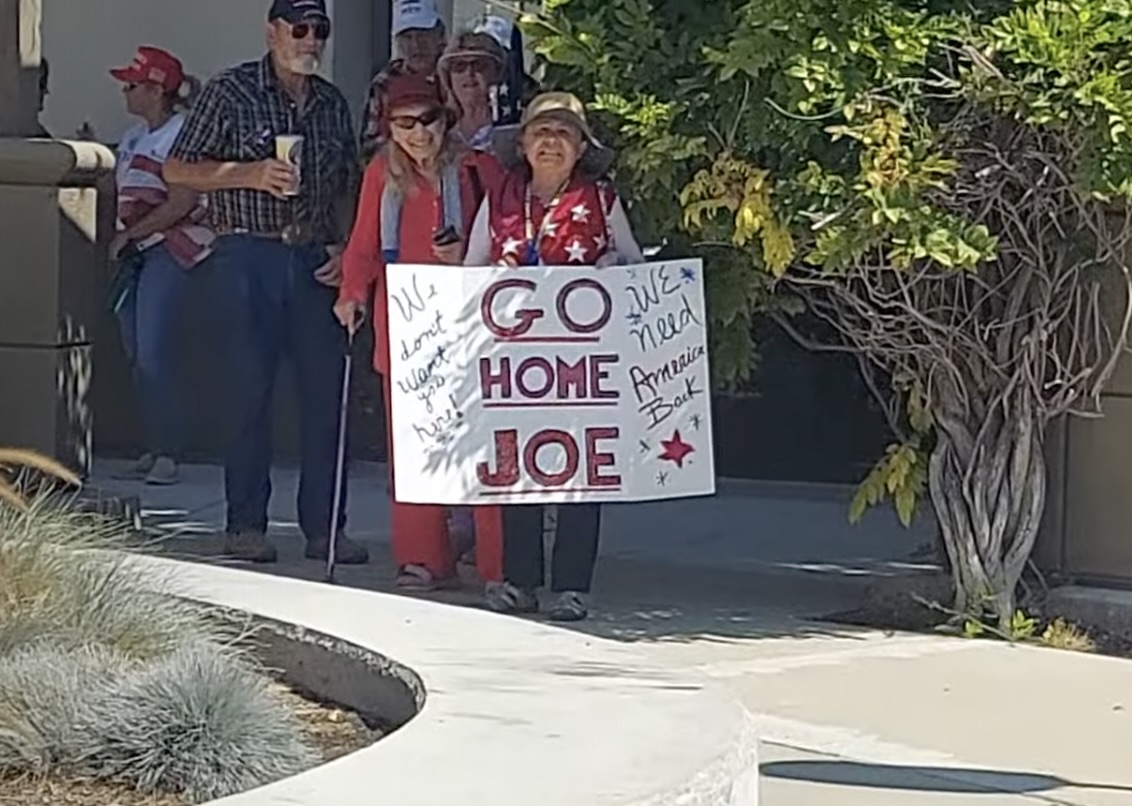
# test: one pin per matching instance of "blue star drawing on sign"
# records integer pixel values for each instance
(661, 479)
(634, 318)
(688, 275)
(697, 421)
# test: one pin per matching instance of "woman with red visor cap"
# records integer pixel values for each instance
(161, 234)
(419, 197)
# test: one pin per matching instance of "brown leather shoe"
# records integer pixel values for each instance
(251, 547)
(348, 552)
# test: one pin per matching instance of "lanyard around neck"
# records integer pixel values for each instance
(528, 220)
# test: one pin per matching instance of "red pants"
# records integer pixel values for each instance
(420, 531)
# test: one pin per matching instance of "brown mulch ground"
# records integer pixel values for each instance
(333, 731)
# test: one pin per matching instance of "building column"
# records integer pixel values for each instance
(19, 66)
(49, 193)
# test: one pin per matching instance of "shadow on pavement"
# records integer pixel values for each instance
(953, 780)
(745, 568)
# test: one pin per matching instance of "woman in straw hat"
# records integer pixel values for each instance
(469, 70)
(422, 185)
(555, 207)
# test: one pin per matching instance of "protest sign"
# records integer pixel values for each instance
(549, 384)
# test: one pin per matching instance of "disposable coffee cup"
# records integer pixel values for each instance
(289, 149)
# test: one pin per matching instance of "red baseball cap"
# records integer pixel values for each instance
(153, 66)
(408, 89)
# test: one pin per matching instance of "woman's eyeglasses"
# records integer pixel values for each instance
(410, 122)
(303, 29)
(461, 66)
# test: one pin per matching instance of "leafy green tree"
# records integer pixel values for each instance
(944, 183)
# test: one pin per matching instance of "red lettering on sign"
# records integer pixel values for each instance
(596, 460)
(539, 441)
(526, 317)
(543, 368)
(508, 470)
(536, 377)
(564, 315)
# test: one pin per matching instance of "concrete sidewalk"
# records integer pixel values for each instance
(734, 587)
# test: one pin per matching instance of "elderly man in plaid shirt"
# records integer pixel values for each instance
(278, 260)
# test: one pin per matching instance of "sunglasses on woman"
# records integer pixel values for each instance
(410, 122)
(461, 66)
(321, 30)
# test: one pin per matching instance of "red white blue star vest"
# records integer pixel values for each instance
(572, 229)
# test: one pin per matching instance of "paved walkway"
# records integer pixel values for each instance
(734, 588)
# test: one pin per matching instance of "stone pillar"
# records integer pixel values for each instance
(48, 262)
(19, 66)
(48, 294)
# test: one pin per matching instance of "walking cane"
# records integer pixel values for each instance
(340, 463)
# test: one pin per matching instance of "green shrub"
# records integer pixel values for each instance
(945, 185)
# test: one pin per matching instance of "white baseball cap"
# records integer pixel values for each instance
(499, 28)
(410, 14)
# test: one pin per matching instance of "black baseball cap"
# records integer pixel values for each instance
(296, 11)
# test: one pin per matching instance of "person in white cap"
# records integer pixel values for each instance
(517, 87)
(419, 36)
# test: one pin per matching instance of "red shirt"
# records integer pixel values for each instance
(362, 261)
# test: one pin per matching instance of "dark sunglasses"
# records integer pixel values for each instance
(321, 30)
(410, 122)
(481, 66)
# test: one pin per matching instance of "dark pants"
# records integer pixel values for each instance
(575, 546)
(273, 307)
(148, 321)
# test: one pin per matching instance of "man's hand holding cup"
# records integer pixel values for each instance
(272, 176)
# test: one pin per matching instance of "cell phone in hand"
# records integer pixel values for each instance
(446, 237)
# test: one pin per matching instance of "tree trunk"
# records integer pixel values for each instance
(987, 482)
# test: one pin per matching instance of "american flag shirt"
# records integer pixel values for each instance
(142, 189)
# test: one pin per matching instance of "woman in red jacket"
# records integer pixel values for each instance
(555, 208)
(419, 185)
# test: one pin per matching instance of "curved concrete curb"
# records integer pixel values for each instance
(515, 712)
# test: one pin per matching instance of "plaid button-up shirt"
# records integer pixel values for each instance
(236, 119)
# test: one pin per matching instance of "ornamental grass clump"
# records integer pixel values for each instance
(68, 577)
(106, 673)
(194, 722)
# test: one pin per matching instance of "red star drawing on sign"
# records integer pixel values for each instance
(676, 450)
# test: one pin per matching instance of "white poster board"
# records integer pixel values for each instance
(549, 384)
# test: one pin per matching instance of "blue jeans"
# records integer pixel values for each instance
(148, 321)
(273, 307)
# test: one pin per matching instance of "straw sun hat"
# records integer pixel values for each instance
(567, 107)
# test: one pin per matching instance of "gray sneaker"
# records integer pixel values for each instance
(568, 606)
(163, 473)
(252, 547)
(503, 597)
